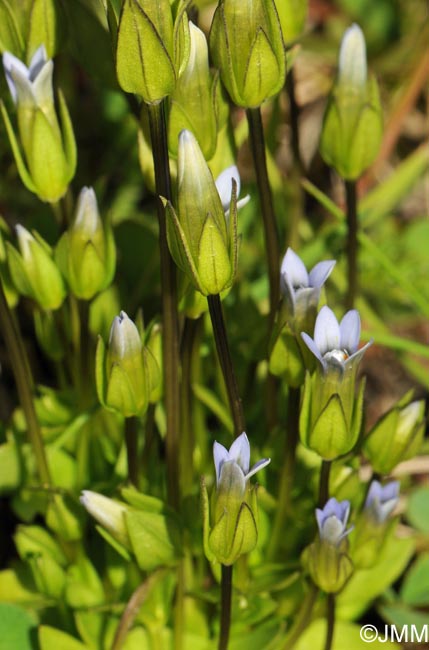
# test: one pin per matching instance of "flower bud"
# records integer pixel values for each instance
(247, 47)
(49, 151)
(47, 334)
(352, 128)
(152, 48)
(109, 514)
(373, 526)
(193, 99)
(397, 436)
(292, 16)
(230, 530)
(125, 378)
(201, 241)
(326, 559)
(331, 416)
(86, 252)
(34, 272)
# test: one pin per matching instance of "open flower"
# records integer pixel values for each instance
(332, 521)
(335, 344)
(232, 467)
(224, 186)
(381, 501)
(300, 288)
(230, 524)
(32, 85)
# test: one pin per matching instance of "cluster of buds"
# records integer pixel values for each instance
(352, 127)
(127, 373)
(230, 524)
(373, 526)
(49, 160)
(86, 253)
(201, 237)
(327, 559)
(331, 416)
(289, 357)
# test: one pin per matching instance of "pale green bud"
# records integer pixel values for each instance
(110, 514)
(49, 151)
(397, 436)
(193, 100)
(86, 252)
(247, 47)
(34, 272)
(201, 240)
(152, 47)
(353, 127)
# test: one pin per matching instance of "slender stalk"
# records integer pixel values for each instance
(286, 479)
(352, 243)
(294, 119)
(24, 384)
(221, 340)
(325, 472)
(302, 619)
(257, 143)
(131, 442)
(190, 341)
(225, 613)
(330, 621)
(170, 327)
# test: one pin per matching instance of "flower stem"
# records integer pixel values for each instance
(24, 383)
(352, 243)
(294, 119)
(286, 478)
(221, 340)
(131, 443)
(325, 472)
(257, 143)
(302, 619)
(225, 614)
(330, 621)
(189, 347)
(170, 327)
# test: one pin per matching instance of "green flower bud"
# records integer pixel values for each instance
(34, 272)
(247, 47)
(397, 436)
(49, 151)
(353, 127)
(109, 514)
(231, 529)
(193, 102)
(292, 16)
(49, 577)
(48, 335)
(125, 372)
(152, 47)
(10, 33)
(331, 416)
(86, 252)
(202, 241)
(326, 559)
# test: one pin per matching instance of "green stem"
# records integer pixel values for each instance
(352, 243)
(131, 442)
(302, 620)
(294, 119)
(225, 614)
(170, 318)
(24, 384)
(330, 621)
(325, 472)
(284, 502)
(222, 347)
(257, 143)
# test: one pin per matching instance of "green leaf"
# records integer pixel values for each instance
(417, 509)
(10, 467)
(401, 617)
(415, 588)
(84, 587)
(214, 404)
(17, 627)
(346, 635)
(367, 584)
(154, 538)
(52, 639)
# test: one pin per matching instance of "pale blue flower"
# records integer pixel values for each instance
(336, 345)
(332, 521)
(224, 187)
(32, 85)
(232, 467)
(300, 288)
(381, 501)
